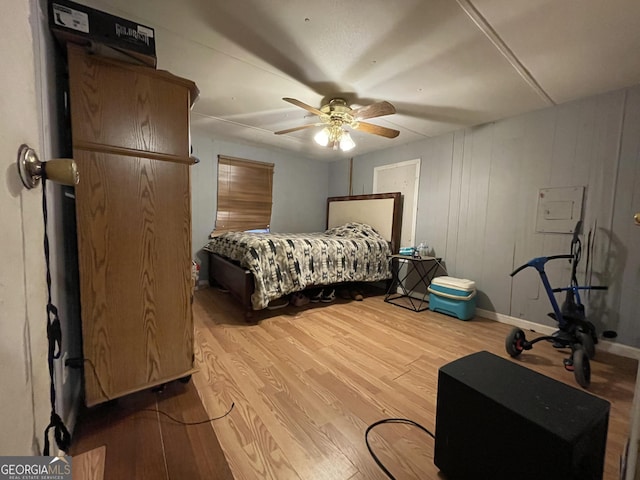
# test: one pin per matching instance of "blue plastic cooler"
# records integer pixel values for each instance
(453, 296)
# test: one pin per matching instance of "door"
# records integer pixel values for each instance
(23, 367)
(403, 177)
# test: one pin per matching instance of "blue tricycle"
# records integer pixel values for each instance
(575, 331)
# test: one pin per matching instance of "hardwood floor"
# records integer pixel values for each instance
(129, 438)
(307, 382)
(90, 464)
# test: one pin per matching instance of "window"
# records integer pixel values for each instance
(244, 194)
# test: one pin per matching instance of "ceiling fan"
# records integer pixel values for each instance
(336, 115)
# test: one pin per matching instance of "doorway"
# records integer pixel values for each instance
(403, 177)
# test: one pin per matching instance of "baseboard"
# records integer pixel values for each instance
(603, 345)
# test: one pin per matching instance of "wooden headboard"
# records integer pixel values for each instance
(383, 211)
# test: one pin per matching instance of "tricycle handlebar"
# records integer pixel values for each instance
(538, 263)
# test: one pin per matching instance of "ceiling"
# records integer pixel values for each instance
(444, 64)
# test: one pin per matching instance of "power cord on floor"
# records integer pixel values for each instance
(72, 363)
(233, 404)
(405, 421)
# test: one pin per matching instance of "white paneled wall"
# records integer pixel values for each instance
(478, 202)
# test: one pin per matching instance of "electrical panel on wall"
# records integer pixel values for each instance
(559, 209)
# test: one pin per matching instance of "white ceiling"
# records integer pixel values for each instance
(444, 64)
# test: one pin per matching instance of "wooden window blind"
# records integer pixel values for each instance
(244, 194)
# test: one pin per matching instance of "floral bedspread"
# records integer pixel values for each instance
(284, 263)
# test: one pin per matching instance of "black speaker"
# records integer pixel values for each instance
(498, 420)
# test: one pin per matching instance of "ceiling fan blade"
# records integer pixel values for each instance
(377, 130)
(295, 129)
(378, 109)
(298, 103)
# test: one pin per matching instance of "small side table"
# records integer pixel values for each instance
(425, 269)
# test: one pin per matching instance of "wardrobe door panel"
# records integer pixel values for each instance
(134, 241)
(129, 107)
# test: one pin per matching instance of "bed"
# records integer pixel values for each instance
(361, 232)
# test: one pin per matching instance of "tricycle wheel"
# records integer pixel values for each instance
(514, 342)
(586, 341)
(581, 368)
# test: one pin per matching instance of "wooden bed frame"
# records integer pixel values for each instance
(383, 211)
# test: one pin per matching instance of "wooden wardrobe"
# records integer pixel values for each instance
(130, 135)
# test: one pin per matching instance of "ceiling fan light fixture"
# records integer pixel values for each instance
(346, 142)
(338, 114)
(322, 137)
(335, 137)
